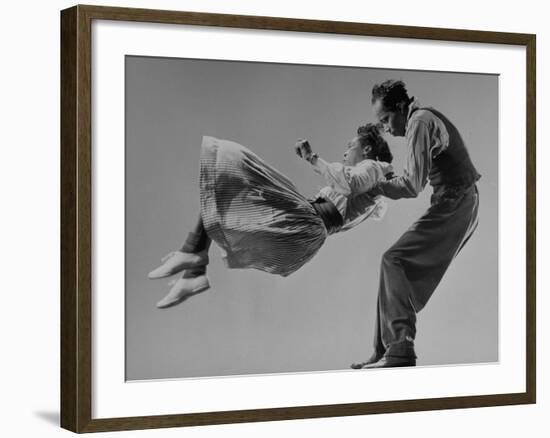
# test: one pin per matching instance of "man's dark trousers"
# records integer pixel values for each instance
(413, 267)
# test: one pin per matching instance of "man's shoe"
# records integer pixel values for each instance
(182, 289)
(373, 359)
(392, 362)
(177, 261)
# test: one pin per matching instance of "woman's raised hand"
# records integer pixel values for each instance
(303, 149)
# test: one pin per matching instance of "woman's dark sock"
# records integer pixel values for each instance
(197, 240)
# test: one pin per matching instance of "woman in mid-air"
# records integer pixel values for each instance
(257, 217)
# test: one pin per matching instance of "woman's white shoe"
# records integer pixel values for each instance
(184, 288)
(177, 261)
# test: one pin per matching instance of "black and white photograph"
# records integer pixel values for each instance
(275, 219)
(294, 218)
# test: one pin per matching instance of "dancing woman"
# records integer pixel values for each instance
(258, 218)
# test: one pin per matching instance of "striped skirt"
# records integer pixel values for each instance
(253, 212)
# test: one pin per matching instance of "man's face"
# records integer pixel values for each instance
(393, 122)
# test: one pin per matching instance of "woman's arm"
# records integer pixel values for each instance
(352, 180)
(346, 180)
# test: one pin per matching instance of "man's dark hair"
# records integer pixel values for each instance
(369, 135)
(391, 93)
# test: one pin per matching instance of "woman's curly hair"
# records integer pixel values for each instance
(369, 135)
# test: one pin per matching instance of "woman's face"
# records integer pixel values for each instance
(354, 153)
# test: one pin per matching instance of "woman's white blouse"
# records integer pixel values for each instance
(347, 183)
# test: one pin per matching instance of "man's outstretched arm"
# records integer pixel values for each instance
(417, 167)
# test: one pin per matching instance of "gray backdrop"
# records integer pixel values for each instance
(321, 317)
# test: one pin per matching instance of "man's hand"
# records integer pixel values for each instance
(376, 190)
(303, 149)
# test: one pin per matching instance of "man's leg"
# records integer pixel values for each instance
(413, 267)
(395, 328)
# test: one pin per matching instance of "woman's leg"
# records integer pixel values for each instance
(197, 241)
(193, 280)
(193, 255)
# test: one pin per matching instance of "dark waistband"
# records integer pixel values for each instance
(443, 192)
(329, 214)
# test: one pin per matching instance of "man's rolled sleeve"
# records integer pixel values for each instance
(417, 167)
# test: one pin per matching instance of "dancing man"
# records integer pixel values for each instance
(413, 267)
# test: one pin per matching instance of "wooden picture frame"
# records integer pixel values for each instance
(76, 218)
